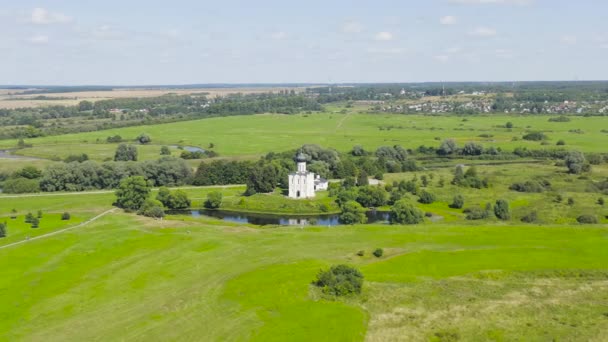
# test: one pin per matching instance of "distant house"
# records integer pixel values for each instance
(303, 183)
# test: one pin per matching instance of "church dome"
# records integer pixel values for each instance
(300, 158)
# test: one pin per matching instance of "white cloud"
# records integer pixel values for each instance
(39, 39)
(279, 35)
(447, 20)
(442, 58)
(568, 39)
(41, 16)
(492, 2)
(383, 36)
(352, 27)
(483, 32)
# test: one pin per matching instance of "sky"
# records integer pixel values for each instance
(152, 42)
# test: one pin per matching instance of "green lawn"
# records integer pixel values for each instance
(259, 134)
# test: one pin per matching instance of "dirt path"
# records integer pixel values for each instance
(61, 230)
(342, 120)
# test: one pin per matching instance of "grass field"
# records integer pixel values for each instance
(127, 277)
(259, 134)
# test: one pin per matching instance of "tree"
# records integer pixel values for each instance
(165, 151)
(458, 175)
(125, 152)
(29, 172)
(65, 216)
(263, 179)
(151, 208)
(3, 229)
(501, 210)
(143, 139)
(84, 106)
(214, 200)
(362, 180)
(600, 201)
(576, 163)
(352, 213)
(39, 214)
(340, 280)
(457, 202)
(132, 193)
(29, 217)
(403, 212)
(164, 195)
(21, 186)
(472, 149)
(371, 196)
(509, 124)
(179, 200)
(35, 222)
(587, 219)
(426, 197)
(358, 151)
(447, 147)
(425, 180)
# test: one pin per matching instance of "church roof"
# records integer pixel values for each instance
(301, 157)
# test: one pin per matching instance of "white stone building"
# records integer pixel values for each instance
(303, 184)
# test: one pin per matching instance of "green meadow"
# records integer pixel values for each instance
(124, 277)
(254, 135)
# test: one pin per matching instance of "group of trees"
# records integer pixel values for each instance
(470, 178)
(25, 180)
(133, 194)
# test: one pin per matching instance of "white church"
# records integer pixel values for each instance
(304, 184)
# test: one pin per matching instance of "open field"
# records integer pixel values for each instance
(13, 99)
(259, 134)
(127, 277)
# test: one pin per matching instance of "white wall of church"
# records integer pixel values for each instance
(302, 185)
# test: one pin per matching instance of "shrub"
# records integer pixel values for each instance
(509, 125)
(165, 151)
(13, 214)
(600, 201)
(214, 200)
(80, 158)
(378, 252)
(34, 222)
(152, 208)
(501, 210)
(29, 217)
(535, 136)
(361, 253)
(66, 216)
(2, 229)
(352, 213)
(457, 202)
(403, 212)
(21, 185)
(426, 197)
(570, 201)
(561, 118)
(560, 143)
(340, 280)
(587, 219)
(143, 139)
(114, 139)
(531, 186)
(530, 218)
(39, 214)
(576, 163)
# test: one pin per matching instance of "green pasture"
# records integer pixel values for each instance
(258, 134)
(125, 277)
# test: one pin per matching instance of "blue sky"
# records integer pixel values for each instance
(236, 41)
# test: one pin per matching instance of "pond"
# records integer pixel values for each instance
(282, 220)
(189, 148)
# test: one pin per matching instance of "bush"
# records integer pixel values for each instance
(378, 252)
(426, 197)
(352, 213)
(570, 201)
(29, 217)
(361, 253)
(114, 139)
(535, 136)
(457, 202)
(35, 222)
(532, 217)
(501, 210)
(403, 212)
(600, 201)
(531, 186)
(561, 118)
(340, 280)
(165, 151)
(2, 229)
(152, 208)
(214, 200)
(560, 143)
(66, 216)
(587, 219)
(21, 186)
(39, 214)
(143, 139)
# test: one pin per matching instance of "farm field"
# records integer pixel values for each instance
(10, 98)
(258, 134)
(186, 279)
